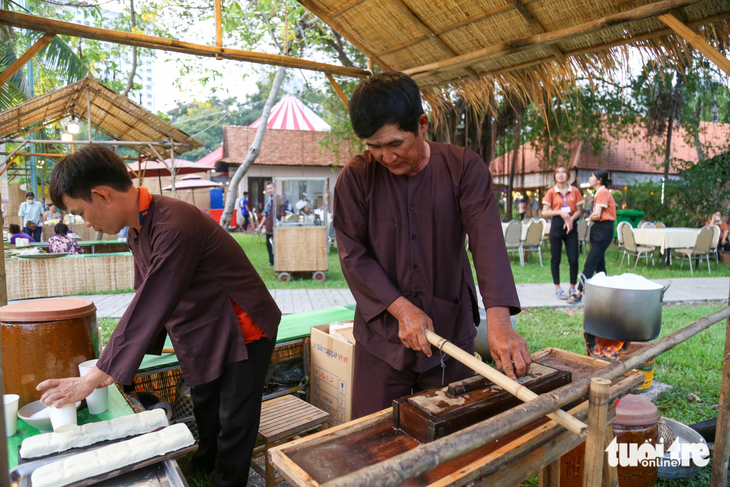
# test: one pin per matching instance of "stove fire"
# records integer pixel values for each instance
(608, 348)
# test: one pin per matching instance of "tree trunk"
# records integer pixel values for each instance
(672, 116)
(132, 74)
(515, 153)
(253, 151)
(698, 142)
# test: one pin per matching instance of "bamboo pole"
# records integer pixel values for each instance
(426, 457)
(697, 41)
(218, 27)
(516, 389)
(722, 436)
(596, 441)
(53, 154)
(537, 27)
(36, 23)
(550, 38)
(84, 142)
(610, 474)
(338, 89)
(10, 71)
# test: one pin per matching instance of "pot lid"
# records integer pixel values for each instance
(636, 411)
(39, 310)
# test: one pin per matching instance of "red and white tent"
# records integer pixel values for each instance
(291, 114)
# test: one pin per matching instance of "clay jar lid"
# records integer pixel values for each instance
(39, 310)
(636, 411)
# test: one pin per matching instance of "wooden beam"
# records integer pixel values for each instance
(10, 71)
(33, 22)
(578, 52)
(718, 476)
(428, 33)
(319, 12)
(537, 27)
(697, 41)
(338, 89)
(596, 441)
(218, 27)
(549, 38)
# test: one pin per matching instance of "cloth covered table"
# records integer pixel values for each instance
(666, 238)
(117, 407)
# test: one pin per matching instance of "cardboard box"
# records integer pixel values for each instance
(333, 366)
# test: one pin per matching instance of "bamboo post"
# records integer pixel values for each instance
(338, 89)
(36, 23)
(514, 388)
(596, 441)
(697, 41)
(722, 436)
(550, 475)
(4, 466)
(610, 473)
(218, 27)
(426, 457)
(10, 71)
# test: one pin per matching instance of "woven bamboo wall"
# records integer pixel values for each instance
(300, 249)
(64, 276)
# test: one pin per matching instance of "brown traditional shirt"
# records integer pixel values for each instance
(405, 236)
(187, 272)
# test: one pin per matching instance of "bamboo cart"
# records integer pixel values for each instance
(300, 237)
(344, 450)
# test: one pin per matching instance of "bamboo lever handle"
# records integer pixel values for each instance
(521, 392)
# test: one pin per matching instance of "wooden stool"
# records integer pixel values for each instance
(282, 420)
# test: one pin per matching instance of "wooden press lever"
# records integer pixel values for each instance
(521, 392)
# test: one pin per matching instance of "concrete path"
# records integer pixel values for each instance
(684, 290)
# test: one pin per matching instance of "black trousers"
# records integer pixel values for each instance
(270, 248)
(601, 238)
(246, 221)
(558, 236)
(227, 411)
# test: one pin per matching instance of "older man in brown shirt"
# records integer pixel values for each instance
(192, 281)
(401, 213)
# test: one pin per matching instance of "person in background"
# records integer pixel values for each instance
(63, 243)
(563, 202)
(716, 219)
(277, 205)
(603, 217)
(522, 208)
(32, 213)
(53, 213)
(16, 233)
(245, 213)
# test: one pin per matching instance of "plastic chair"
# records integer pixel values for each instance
(715, 247)
(648, 225)
(630, 247)
(660, 225)
(583, 232)
(619, 237)
(701, 248)
(512, 237)
(533, 240)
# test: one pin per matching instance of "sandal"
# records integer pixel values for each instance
(575, 298)
(560, 294)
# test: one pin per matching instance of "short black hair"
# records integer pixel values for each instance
(14, 228)
(245, 193)
(29, 194)
(390, 97)
(60, 229)
(602, 175)
(77, 174)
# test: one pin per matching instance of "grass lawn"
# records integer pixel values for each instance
(693, 367)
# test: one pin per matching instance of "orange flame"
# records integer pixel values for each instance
(608, 348)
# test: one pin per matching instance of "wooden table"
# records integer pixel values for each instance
(666, 239)
(349, 447)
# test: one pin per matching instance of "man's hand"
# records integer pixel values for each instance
(412, 325)
(72, 389)
(509, 350)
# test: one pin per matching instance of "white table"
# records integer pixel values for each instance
(666, 238)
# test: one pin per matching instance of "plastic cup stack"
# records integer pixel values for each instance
(98, 401)
(10, 403)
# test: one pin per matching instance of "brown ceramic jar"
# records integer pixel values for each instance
(637, 421)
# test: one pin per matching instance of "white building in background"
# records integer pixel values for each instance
(145, 74)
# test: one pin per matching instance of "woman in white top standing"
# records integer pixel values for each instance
(32, 213)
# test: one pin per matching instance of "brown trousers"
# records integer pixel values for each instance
(377, 384)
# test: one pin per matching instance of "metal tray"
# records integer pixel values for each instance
(20, 475)
(42, 256)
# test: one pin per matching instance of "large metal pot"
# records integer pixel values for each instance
(622, 314)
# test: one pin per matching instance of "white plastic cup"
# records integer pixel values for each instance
(10, 405)
(64, 417)
(85, 367)
(98, 401)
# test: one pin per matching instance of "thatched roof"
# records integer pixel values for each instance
(522, 46)
(111, 113)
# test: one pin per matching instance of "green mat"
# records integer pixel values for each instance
(292, 327)
(117, 407)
